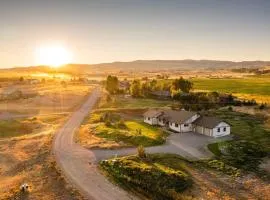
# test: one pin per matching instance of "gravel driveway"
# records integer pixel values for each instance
(189, 145)
(78, 163)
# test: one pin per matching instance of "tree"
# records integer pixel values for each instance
(145, 89)
(135, 88)
(21, 79)
(112, 84)
(182, 84)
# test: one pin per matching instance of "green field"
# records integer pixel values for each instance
(121, 102)
(248, 87)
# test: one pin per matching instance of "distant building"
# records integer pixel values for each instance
(162, 94)
(186, 121)
(124, 85)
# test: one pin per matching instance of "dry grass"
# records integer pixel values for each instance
(30, 161)
(87, 138)
(51, 97)
(33, 126)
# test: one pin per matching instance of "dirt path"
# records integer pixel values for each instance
(79, 164)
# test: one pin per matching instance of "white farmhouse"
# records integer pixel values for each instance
(185, 121)
(179, 121)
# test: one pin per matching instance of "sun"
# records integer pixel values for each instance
(54, 56)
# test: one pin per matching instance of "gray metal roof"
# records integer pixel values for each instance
(177, 116)
(153, 113)
(208, 122)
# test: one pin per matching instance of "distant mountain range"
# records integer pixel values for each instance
(144, 65)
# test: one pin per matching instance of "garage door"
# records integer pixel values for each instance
(199, 129)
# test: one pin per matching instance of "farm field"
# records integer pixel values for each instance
(134, 103)
(257, 87)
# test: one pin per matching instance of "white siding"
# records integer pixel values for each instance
(187, 126)
(172, 126)
(198, 129)
(160, 122)
(224, 129)
(151, 121)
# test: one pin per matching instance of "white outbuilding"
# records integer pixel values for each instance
(211, 126)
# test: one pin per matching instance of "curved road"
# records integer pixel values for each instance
(79, 164)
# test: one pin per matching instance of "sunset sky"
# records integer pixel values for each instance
(124, 30)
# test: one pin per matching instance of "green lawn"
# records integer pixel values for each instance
(157, 177)
(129, 134)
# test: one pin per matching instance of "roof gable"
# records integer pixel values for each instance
(153, 113)
(208, 122)
(180, 116)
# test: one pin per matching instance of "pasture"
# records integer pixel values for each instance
(257, 87)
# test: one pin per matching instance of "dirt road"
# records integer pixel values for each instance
(79, 164)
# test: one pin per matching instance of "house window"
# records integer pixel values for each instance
(148, 118)
(176, 125)
(218, 130)
(224, 129)
(185, 125)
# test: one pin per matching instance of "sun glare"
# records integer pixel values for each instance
(54, 56)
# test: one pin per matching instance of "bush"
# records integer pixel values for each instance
(221, 166)
(141, 151)
(121, 124)
(108, 122)
(146, 178)
(243, 154)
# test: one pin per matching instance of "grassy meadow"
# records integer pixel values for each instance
(120, 102)
(257, 87)
(30, 126)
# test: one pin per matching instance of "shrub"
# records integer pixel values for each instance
(243, 154)
(142, 176)
(121, 124)
(230, 108)
(141, 151)
(139, 131)
(108, 122)
(221, 166)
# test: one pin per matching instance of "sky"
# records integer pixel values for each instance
(98, 31)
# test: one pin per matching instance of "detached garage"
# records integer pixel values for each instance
(211, 126)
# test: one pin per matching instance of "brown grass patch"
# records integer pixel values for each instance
(30, 161)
